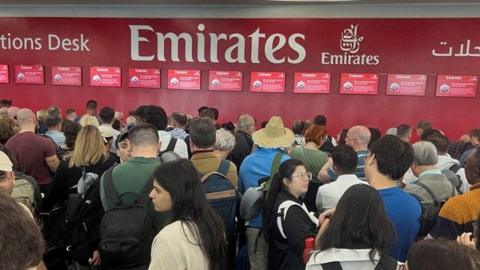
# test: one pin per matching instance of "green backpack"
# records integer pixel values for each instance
(253, 199)
(26, 191)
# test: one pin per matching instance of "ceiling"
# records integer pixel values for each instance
(231, 2)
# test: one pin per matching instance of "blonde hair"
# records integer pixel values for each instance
(42, 115)
(89, 148)
(87, 120)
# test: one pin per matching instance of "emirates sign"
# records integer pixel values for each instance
(235, 53)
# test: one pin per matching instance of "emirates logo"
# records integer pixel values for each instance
(350, 41)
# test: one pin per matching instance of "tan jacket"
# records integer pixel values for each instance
(207, 162)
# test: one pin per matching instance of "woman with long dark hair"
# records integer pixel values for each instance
(195, 238)
(357, 235)
(286, 220)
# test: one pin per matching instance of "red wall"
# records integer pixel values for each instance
(403, 46)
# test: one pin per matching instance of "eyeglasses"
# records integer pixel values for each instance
(306, 175)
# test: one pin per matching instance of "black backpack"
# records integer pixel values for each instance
(222, 196)
(126, 231)
(83, 216)
(430, 211)
(451, 175)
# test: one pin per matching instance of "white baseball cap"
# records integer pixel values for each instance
(5, 163)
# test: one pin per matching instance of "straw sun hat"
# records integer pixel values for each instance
(274, 134)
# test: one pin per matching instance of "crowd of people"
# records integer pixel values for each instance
(153, 191)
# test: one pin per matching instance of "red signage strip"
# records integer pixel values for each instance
(456, 86)
(144, 78)
(106, 76)
(4, 74)
(267, 82)
(29, 74)
(225, 80)
(311, 83)
(406, 84)
(184, 79)
(66, 75)
(359, 84)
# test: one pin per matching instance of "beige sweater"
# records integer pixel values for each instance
(175, 248)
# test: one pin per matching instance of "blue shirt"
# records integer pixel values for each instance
(56, 136)
(254, 167)
(404, 211)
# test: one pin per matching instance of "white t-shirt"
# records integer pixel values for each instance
(329, 194)
(180, 146)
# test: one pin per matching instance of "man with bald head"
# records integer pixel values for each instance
(35, 154)
(358, 138)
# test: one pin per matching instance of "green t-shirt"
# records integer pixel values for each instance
(313, 159)
(129, 180)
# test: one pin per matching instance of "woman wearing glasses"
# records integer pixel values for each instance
(313, 159)
(287, 221)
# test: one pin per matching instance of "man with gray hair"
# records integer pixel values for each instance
(224, 144)
(202, 141)
(243, 139)
(432, 186)
(358, 137)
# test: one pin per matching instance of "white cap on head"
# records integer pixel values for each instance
(5, 163)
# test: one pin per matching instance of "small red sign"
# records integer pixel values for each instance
(106, 76)
(144, 78)
(456, 86)
(267, 82)
(312, 83)
(66, 75)
(4, 74)
(406, 84)
(225, 80)
(184, 79)
(359, 84)
(29, 74)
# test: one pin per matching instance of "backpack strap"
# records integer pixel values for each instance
(454, 168)
(282, 214)
(111, 195)
(429, 191)
(332, 266)
(276, 164)
(171, 146)
(386, 262)
(223, 167)
(143, 197)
